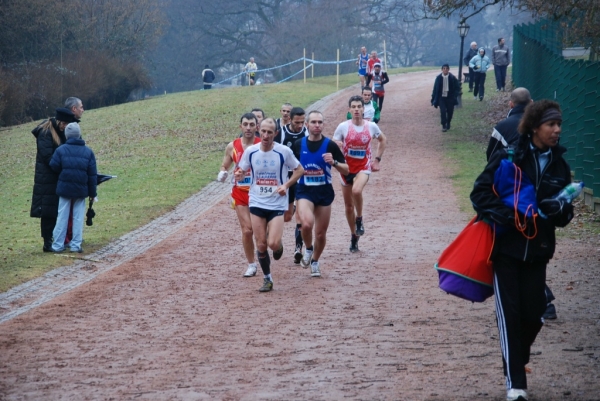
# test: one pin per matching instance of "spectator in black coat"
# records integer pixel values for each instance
(445, 91)
(472, 52)
(208, 76)
(49, 135)
(505, 133)
(75, 165)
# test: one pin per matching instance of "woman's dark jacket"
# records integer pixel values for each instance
(76, 165)
(44, 202)
(556, 175)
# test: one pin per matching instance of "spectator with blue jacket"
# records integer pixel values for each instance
(75, 165)
(480, 64)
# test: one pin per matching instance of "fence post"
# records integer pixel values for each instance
(312, 66)
(337, 75)
(304, 60)
(384, 56)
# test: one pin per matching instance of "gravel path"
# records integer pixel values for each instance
(164, 314)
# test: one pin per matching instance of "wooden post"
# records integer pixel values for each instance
(337, 75)
(384, 56)
(304, 59)
(312, 68)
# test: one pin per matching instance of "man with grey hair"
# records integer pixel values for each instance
(472, 52)
(501, 60)
(505, 133)
(75, 105)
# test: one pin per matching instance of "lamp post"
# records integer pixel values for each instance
(463, 30)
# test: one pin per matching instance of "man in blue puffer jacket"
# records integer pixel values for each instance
(75, 165)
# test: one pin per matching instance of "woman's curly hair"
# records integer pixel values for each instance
(533, 115)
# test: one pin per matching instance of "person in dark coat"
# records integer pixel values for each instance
(49, 135)
(445, 91)
(472, 52)
(505, 133)
(75, 165)
(208, 76)
(520, 255)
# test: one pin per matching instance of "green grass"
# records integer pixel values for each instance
(162, 149)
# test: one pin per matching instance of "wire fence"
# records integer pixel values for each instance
(539, 65)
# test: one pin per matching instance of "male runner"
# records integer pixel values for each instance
(379, 78)
(371, 63)
(317, 155)
(289, 134)
(239, 191)
(269, 163)
(354, 137)
(285, 119)
(371, 112)
(361, 62)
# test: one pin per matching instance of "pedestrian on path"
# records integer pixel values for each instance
(480, 64)
(521, 254)
(314, 191)
(500, 60)
(239, 191)
(75, 165)
(444, 95)
(269, 163)
(354, 138)
(472, 52)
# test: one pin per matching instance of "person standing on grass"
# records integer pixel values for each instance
(444, 95)
(314, 191)
(49, 135)
(75, 165)
(500, 60)
(239, 191)
(250, 68)
(208, 76)
(354, 138)
(269, 163)
(472, 52)
(480, 64)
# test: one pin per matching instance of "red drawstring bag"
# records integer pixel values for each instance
(464, 267)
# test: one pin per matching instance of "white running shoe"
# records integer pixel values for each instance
(307, 258)
(516, 395)
(251, 272)
(314, 269)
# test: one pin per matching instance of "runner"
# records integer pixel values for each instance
(239, 192)
(269, 163)
(371, 111)
(289, 134)
(354, 137)
(379, 78)
(314, 191)
(284, 120)
(361, 62)
(371, 63)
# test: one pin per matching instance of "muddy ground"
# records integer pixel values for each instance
(178, 321)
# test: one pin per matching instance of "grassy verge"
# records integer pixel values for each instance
(162, 149)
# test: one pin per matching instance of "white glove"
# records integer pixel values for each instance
(222, 176)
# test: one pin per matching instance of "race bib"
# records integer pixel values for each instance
(266, 186)
(245, 182)
(314, 177)
(357, 153)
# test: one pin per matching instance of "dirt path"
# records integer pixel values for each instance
(178, 322)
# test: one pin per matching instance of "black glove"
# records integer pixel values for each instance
(552, 207)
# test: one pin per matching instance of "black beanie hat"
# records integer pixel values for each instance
(65, 115)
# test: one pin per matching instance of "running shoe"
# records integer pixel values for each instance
(277, 254)
(251, 272)
(307, 258)
(267, 286)
(516, 395)
(298, 255)
(360, 228)
(314, 269)
(354, 244)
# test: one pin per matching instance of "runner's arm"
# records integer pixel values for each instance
(381, 138)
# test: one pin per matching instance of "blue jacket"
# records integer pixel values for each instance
(75, 165)
(480, 64)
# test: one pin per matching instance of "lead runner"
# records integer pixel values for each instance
(269, 163)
